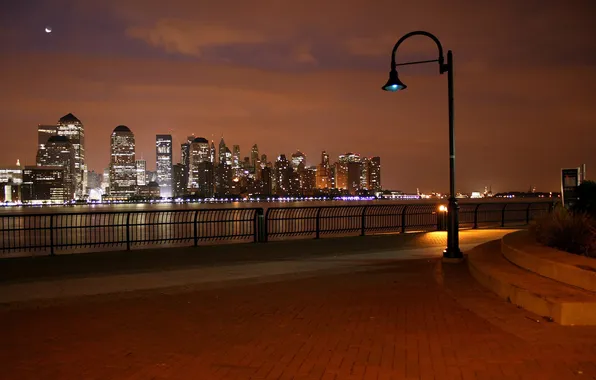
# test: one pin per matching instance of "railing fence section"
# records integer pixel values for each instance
(117, 230)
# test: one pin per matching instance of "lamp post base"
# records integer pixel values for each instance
(453, 260)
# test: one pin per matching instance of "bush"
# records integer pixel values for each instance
(586, 194)
(573, 232)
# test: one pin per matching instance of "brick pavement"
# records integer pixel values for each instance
(415, 319)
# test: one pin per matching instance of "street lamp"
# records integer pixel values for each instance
(395, 84)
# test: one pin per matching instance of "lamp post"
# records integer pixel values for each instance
(395, 84)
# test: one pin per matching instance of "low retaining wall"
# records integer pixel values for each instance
(522, 250)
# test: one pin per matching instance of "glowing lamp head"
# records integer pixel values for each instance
(394, 84)
(443, 208)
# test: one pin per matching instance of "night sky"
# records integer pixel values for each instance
(306, 75)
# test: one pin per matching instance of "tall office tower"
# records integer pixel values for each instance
(349, 157)
(297, 159)
(185, 156)
(222, 151)
(123, 168)
(44, 132)
(341, 175)
(141, 170)
(325, 159)
(199, 152)
(72, 128)
(282, 175)
(353, 177)
(308, 180)
(163, 154)
(375, 174)
(178, 181)
(322, 177)
(212, 154)
(266, 181)
(58, 152)
(206, 179)
(228, 156)
(236, 168)
(365, 173)
(105, 181)
(254, 158)
(263, 160)
(44, 184)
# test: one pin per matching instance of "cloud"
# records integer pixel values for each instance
(303, 54)
(191, 38)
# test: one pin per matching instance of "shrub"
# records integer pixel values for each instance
(573, 232)
(586, 194)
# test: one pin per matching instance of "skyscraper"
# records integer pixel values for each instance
(297, 159)
(44, 184)
(212, 153)
(163, 154)
(236, 168)
(375, 174)
(185, 158)
(178, 181)
(44, 132)
(353, 177)
(254, 157)
(141, 172)
(72, 128)
(341, 175)
(365, 173)
(123, 170)
(222, 151)
(199, 152)
(282, 175)
(58, 152)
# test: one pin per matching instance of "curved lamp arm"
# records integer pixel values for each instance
(442, 67)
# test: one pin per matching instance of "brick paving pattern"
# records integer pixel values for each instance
(418, 319)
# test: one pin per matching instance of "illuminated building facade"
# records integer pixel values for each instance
(199, 152)
(163, 154)
(254, 158)
(179, 181)
(375, 174)
(59, 152)
(365, 173)
(185, 158)
(72, 128)
(282, 175)
(141, 172)
(123, 168)
(341, 175)
(297, 159)
(44, 184)
(353, 177)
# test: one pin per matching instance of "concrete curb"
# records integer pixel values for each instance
(566, 305)
(522, 250)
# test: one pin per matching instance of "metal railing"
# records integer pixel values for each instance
(86, 231)
(52, 232)
(283, 222)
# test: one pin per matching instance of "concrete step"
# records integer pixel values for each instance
(565, 304)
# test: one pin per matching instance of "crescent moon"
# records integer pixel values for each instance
(48, 30)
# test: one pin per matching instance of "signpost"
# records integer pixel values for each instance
(570, 180)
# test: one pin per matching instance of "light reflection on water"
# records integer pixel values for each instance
(193, 206)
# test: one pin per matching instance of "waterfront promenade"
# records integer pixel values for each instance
(378, 307)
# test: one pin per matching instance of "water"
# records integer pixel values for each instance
(19, 210)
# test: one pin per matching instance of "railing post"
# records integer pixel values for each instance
(318, 224)
(528, 213)
(258, 222)
(52, 235)
(403, 220)
(128, 231)
(196, 229)
(266, 226)
(476, 216)
(503, 215)
(363, 222)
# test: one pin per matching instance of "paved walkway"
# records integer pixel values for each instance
(395, 319)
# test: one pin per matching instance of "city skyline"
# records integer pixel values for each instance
(286, 78)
